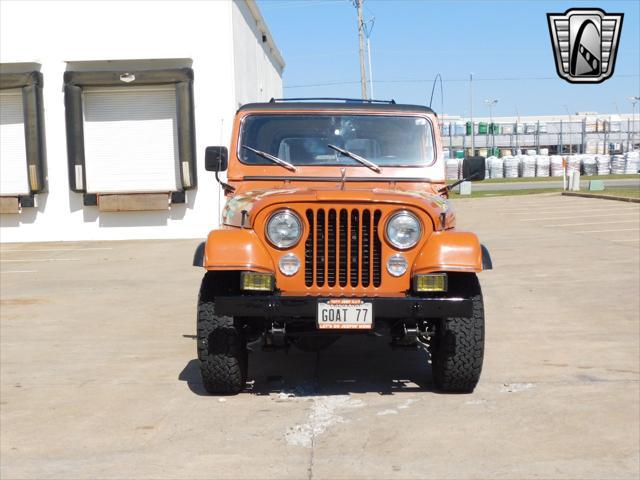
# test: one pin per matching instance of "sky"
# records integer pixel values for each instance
(505, 44)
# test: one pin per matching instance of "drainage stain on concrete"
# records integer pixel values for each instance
(387, 412)
(323, 415)
(515, 387)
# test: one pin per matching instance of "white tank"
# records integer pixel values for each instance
(452, 168)
(618, 164)
(603, 164)
(511, 166)
(556, 165)
(542, 165)
(529, 166)
(632, 162)
(496, 167)
(589, 165)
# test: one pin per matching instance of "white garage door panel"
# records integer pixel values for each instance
(130, 139)
(14, 179)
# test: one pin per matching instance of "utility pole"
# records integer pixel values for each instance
(363, 71)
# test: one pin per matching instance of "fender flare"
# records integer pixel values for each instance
(487, 264)
(198, 255)
(452, 251)
(232, 250)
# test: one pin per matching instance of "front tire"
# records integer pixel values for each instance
(222, 351)
(458, 350)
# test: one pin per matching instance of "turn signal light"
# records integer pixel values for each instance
(432, 282)
(259, 282)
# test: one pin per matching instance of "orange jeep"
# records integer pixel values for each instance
(337, 222)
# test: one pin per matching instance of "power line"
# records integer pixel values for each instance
(448, 80)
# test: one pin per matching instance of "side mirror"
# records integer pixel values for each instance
(216, 159)
(473, 168)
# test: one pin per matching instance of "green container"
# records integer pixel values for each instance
(482, 128)
(469, 128)
(494, 128)
(459, 153)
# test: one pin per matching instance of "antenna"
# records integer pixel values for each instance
(433, 87)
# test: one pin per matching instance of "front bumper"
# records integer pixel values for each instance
(281, 307)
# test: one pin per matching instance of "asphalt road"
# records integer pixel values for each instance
(99, 377)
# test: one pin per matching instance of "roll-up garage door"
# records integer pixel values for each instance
(130, 139)
(14, 178)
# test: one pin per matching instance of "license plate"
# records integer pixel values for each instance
(343, 314)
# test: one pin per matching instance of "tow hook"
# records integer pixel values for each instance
(412, 335)
(275, 337)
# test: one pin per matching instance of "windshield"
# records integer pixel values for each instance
(387, 141)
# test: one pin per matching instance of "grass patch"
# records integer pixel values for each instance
(504, 193)
(628, 192)
(556, 179)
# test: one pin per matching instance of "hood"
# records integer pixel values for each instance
(252, 202)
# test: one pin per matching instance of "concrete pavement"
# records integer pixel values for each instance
(99, 377)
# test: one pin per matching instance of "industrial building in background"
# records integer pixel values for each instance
(106, 112)
(104, 118)
(577, 133)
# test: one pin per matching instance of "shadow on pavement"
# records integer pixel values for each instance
(355, 364)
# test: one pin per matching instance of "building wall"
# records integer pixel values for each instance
(254, 59)
(70, 35)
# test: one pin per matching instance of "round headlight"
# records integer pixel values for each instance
(403, 230)
(284, 229)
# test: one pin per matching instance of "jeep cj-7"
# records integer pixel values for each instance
(337, 222)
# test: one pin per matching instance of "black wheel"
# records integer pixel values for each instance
(458, 347)
(222, 351)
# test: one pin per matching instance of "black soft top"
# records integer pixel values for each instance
(275, 106)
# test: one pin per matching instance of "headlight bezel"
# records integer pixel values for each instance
(403, 213)
(282, 245)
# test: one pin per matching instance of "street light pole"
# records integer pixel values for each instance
(517, 134)
(570, 128)
(473, 133)
(491, 103)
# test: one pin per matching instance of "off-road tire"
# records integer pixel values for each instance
(458, 349)
(222, 351)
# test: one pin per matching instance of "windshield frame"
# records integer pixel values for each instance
(345, 114)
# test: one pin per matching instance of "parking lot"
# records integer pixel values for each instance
(99, 377)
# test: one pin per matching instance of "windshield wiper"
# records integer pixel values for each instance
(356, 157)
(268, 156)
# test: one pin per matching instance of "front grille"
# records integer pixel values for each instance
(343, 248)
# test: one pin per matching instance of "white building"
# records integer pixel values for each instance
(104, 101)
